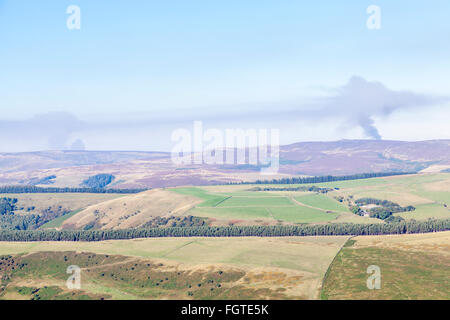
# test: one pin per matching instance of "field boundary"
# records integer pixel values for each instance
(217, 203)
(327, 273)
(59, 220)
(301, 204)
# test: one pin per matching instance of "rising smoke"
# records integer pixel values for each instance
(359, 101)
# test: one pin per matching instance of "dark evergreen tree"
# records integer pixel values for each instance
(401, 227)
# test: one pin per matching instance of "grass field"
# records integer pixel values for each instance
(429, 193)
(426, 211)
(246, 201)
(132, 210)
(209, 199)
(293, 214)
(68, 201)
(276, 268)
(411, 266)
(240, 206)
(322, 202)
(57, 222)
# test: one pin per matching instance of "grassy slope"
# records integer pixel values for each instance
(69, 201)
(412, 267)
(245, 205)
(427, 192)
(132, 211)
(210, 200)
(56, 223)
(322, 202)
(239, 201)
(301, 214)
(288, 266)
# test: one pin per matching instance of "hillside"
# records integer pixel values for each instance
(155, 169)
(242, 205)
(131, 211)
(413, 267)
(172, 268)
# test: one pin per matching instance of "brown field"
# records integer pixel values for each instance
(132, 210)
(259, 268)
(68, 201)
(433, 242)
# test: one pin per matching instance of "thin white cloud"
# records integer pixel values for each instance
(359, 104)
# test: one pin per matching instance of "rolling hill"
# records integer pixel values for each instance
(132, 210)
(155, 169)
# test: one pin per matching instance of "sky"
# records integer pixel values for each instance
(137, 70)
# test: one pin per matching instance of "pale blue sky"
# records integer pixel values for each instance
(135, 60)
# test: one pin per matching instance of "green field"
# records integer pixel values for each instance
(242, 205)
(56, 223)
(406, 275)
(246, 201)
(322, 202)
(411, 267)
(428, 193)
(210, 200)
(257, 206)
(294, 214)
(301, 214)
(231, 213)
(426, 211)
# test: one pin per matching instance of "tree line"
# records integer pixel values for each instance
(402, 227)
(9, 220)
(384, 209)
(34, 189)
(301, 188)
(319, 179)
(383, 203)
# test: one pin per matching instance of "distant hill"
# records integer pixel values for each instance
(134, 169)
(358, 156)
(61, 159)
